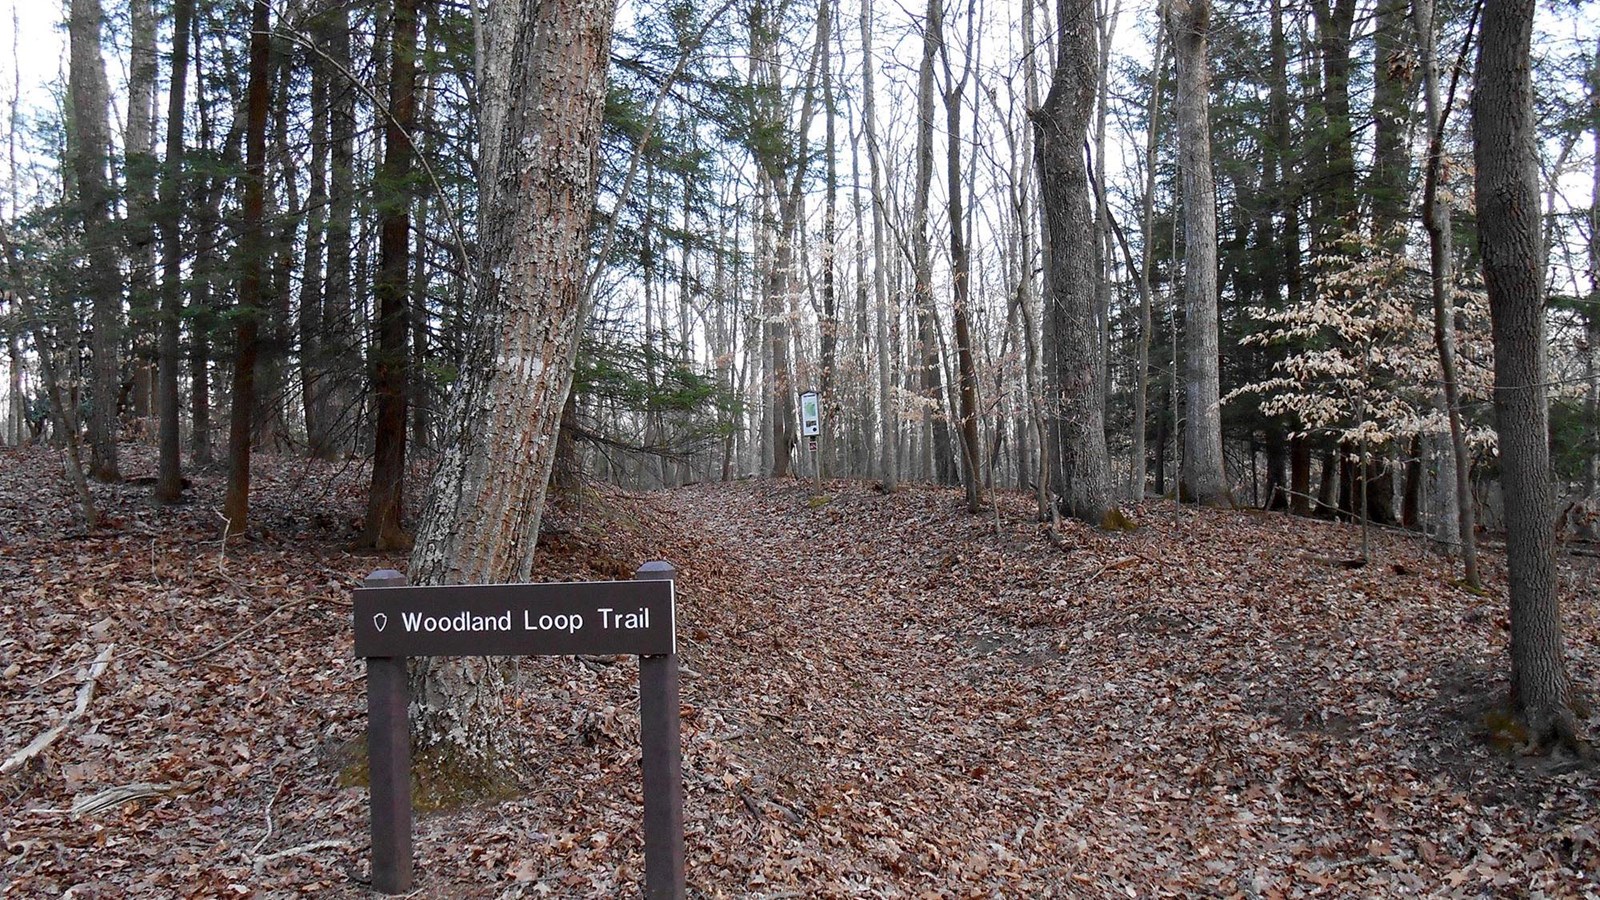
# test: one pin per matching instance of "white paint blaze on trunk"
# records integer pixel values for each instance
(544, 95)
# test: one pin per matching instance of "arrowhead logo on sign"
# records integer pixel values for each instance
(380, 620)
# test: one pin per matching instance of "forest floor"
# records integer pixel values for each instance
(883, 697)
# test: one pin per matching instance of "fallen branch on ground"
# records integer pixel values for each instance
(262, 861)
(85, 694)
(113, 797)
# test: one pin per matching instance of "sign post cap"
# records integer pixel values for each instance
(657, 569)
(384, 578)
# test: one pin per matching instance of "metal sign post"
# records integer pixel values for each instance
(394, 621)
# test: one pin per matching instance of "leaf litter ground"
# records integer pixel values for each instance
(883, 697)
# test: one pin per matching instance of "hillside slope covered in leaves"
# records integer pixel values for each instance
(883, 697)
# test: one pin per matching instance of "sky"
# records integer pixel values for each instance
(34, 46)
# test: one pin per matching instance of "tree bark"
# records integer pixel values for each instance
(314, 344)
(89, 139)
(960, 280)
(1506, 159)
(1389, 185)
(384, 528)
(889, 438)
(1336, 205)
(1077, 407)
(1286, 264)
(828, 322)
(1203, 478)
(252, 258)
(938, 453)
(1436, 220)
(169, 469)
(543, 100)
(1591, 356)
(336, 428)
(139, 177)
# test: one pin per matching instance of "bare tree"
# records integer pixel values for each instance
(1203, 480)
(961, 272)
(544, 91)
(252, 258)
(1080, 462)
(1137, 471)
(169, 473)
(1436, 220)
(937, 449)
(383, 528)
(1506, 157)
(89, 140)
(889, 439)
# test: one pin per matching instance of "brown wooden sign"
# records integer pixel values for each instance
(552, 619)
(394, 622)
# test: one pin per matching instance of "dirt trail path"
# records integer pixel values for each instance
(872, 714)
(893, 699)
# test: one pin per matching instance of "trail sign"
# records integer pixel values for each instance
(810, 414)
(593, 617)
(393, 621)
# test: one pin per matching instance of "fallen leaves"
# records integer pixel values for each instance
(883, 697)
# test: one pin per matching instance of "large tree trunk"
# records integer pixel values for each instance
(169, 470)
(1203, 479)
(544, 92)
(385, 507)
(1506, 158)
(1032, 322)
(89, 138)
(1076, 404)
(781, 285)
(1336, 203)
(252, 257)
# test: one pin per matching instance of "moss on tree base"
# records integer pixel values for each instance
(1115, 520)
(440, 778)
(1510, 732)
